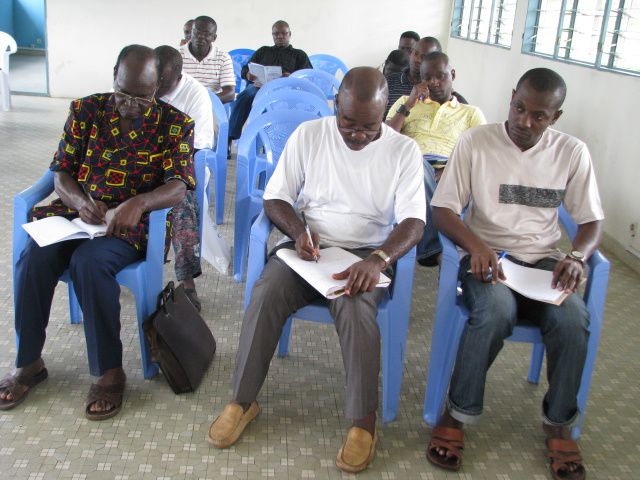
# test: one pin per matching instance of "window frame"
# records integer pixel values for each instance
(455, 30)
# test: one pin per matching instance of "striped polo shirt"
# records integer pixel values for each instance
(214, 71)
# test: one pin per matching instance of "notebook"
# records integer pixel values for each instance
(531, 282)
(50, 230)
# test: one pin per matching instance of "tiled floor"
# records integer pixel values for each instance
(161, 435)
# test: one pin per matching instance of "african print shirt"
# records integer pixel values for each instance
(113, 168)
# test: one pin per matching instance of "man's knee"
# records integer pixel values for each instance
(358, 314)
(569, 320)
(491, 308)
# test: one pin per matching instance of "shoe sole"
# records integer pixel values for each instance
(245, 420)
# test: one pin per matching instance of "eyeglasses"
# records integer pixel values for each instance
(143, 102)
(354, 131)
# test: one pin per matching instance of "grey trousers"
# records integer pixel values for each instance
(276, 295)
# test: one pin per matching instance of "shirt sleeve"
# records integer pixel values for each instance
(454, 189)
(178, 158)
(410, 199)
(227, 75)
(288, 177)
(303, 61)
(205, 123)
(477, 118)
(582, 199)
(394, 108)
(69, 156)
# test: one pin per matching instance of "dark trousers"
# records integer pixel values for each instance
(93, 265)
(240, 110)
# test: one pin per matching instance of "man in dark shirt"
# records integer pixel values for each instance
(401, 83)
(281, 54)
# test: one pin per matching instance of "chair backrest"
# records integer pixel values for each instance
(323, 80)
(8, 46)
(222, 121)
(290, 83)
(286, 99)
(240, 57)
(272, 129)
(328, 63)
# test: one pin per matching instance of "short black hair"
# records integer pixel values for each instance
(410, 34)
(140, 51)
(545, 80)
(398, 57)
(434, 56)
(282, 23)
(433, 40)
(169, 56)
(204, 18)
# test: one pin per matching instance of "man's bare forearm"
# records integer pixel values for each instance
(588, 238)
(165, 196)
(284, 217)
(449, 223)
(69, 190)
(396, 122)
(403, 238)
(227, 94)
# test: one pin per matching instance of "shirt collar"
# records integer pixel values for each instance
(453, 103)
(170, 97)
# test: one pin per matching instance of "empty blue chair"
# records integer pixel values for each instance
(451, 316)
(393, 314)
(240, 57)
(285, 99)
(216, 159)
(326, 82)
(271, 131)
(144, 278)
(328, 63)
(290, 83)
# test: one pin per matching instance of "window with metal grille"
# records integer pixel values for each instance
(486, 21)
(601, 33)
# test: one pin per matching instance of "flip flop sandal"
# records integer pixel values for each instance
(13, 386)
(192, 295)
(561, 453)
(111, 394)
(451, 439)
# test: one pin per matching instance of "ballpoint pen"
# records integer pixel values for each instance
(306, 228)
(93, 202)
(489, 275)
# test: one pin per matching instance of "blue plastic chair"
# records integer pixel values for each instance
(144, 278)
(328, 63)
(285, 99)
(326, 82)
(393, 314)
(216, 159)
(271, 131)
(240, 57)
(451, 317)
(290, 83)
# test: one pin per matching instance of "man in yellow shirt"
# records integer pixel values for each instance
(434, 118)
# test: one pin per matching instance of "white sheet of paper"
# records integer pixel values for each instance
(49, 230)
(531, 282)
(265, 73)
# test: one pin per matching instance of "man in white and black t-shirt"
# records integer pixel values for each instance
(518, 173)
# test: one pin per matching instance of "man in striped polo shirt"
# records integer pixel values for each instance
(207, 63)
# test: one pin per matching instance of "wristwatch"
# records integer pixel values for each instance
(383, 255)
(577, 255)
(404, 110)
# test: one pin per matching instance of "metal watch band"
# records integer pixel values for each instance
(382, 255)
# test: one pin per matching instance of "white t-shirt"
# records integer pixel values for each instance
(214, 71)
(192, 98)
(513, 196)
(352, 199)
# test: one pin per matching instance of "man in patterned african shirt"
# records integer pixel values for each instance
(123, 151)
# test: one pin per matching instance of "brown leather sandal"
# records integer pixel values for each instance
(561, 453)
(111, 394)
(20, 388)
(451, 439)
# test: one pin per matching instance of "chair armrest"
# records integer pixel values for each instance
(448, 283)
(258, 240)
(155, 245)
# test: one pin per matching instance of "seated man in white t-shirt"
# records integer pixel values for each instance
(316, 174)
(518, 173)
(183, 92)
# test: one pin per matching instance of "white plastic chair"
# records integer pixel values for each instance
(8, 46)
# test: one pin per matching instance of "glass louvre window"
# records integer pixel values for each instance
(486, 21)
(600, 33)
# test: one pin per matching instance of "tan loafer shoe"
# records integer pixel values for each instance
(229, 425)
(358, 450)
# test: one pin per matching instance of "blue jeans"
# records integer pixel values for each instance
(493, 312)
(429, 245)
(240, 110)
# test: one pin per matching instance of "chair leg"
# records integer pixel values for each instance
(393, 347)
(285, 336)
(220, 185)
(145, 307)
(74, 306)
(537, 355)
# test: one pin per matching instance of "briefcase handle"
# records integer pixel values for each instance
(166, 294)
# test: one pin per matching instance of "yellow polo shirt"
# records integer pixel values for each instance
(436, 128)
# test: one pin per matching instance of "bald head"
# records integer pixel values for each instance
(135, 75)
(365, 84)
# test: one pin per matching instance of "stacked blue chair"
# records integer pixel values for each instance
(271, 131)
(286, 99)
(288, 83)
(393, 314)
(216, 159)
(326, 82)
(328, 63)
(240, 57)
(451, 317)
(144, 278)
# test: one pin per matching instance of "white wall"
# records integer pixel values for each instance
(85, 36)
(601, 109)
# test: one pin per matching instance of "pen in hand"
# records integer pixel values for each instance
(93, 202)
(306, 228)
